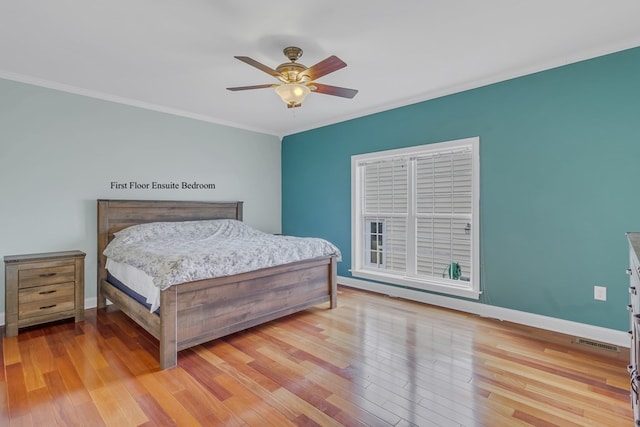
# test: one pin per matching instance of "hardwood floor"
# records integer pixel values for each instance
(373, 361)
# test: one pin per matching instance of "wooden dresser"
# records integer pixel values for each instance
(42, 288)
(634, 314)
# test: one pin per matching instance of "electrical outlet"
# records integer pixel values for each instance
(600, 293)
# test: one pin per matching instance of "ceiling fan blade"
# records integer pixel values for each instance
(259, 66)
(324, 67)
(332, 90)
(252, 87)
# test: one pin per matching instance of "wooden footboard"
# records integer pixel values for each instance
(196, 312)
(211, 309)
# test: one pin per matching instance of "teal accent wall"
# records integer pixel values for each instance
(560, 169)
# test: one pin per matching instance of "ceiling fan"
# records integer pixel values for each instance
(298, 80)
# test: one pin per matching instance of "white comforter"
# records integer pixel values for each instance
(178, 252)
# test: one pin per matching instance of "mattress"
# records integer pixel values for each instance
(140, 283)
(151, 257)
(132, 294)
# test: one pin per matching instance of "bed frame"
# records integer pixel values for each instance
(196, 312)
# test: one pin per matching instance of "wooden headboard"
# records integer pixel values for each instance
(114, 215)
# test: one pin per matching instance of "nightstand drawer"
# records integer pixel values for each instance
(46, 293)
(46, 275)
(46, 300)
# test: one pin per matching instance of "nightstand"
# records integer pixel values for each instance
(41, 288)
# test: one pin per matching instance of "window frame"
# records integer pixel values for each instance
(359, 269)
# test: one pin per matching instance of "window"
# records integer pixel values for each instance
(416, 217)
(375, 243)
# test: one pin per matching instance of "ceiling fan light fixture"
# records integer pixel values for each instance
(297, 80)
(292, 94)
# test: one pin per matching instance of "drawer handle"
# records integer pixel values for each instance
(48, 306)
(47, 292)
(48, 275)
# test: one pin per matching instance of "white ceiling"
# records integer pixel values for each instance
(177, 56)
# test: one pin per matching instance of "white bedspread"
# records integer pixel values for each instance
(178, 252)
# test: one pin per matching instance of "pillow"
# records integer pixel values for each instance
(180, 231)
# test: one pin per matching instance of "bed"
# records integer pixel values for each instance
(195, 312)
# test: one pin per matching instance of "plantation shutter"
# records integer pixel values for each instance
(444, 207)
(386, 198)
(386, 187)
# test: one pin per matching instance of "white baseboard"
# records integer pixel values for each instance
(91, 302)
(567, 327)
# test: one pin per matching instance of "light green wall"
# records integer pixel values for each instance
(59, 152)
(560, 162)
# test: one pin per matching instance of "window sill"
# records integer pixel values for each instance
(444, 286)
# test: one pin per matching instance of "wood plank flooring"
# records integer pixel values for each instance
(373, 361)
